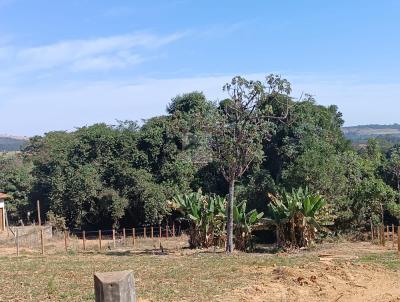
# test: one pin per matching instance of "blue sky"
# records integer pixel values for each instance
(65, 64)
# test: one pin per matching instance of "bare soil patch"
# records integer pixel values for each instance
(344, 272)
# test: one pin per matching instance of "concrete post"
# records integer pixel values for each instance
(114, 287)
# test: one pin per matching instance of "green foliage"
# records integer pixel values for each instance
(241, 126)
(392, 167)
(96, 175)
(371, 199)
(16, 180)
(295, 215)
(58, 222)
(206, 215)
(259, 140)
(244, 222)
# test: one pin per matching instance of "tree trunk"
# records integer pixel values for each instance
(229, 224)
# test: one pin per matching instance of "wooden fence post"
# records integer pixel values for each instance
(99, 240)
(144, 233)
(166, 231)
(17, 242)
(42, 241)
(372, 230)
(152, 232)
(114, 287)
(84, 240)
(398, 239)
(173, 229)
(133, 236)
(378, 234)
(392, 235)
(38, 212)
(124, 236)
(387, 233)
(113, 237)
(65, 241)
(383, 234)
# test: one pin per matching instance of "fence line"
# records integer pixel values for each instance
(385, 233)
(107, 238)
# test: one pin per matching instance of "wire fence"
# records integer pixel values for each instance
(42, 239)
(381, 233)
(148, 238)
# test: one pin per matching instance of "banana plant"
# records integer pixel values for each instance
(311, 205)
(243, 224)
(295, 215)
(206, 215)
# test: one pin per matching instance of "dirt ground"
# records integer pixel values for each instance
(344, 272)
(341, 271)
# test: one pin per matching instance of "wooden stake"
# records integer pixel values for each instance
(84, 240)
(124, 236)
(392, 235)
(166, 231)
(99, 240)
(17, 242)
(38, 212)
(133, 236)
(173, 229)
(159, 233)
(144, 233)
(65, 241)
(380, 234)
(113, 237)
(152, 232)
(379, 229)
(372, 230)
(383, 234)
(42, 241)
(387, 233)
(398, 239)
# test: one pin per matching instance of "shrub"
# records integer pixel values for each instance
(295, 216)
(207, 218)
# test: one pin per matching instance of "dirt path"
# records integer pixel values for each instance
(337, 276)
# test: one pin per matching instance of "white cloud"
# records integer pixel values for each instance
(85, 54)
(107, 62)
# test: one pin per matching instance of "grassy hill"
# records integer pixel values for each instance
(10, 143)
(361, 134)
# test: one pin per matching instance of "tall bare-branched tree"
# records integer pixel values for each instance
(243, 123)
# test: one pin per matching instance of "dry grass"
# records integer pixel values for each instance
(184, 275)
(177, 275)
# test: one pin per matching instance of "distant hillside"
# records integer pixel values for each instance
(361, 134)
(11, 143)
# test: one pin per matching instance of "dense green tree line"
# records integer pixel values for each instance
(103, 175)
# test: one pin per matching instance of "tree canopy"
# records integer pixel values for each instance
(258, 141)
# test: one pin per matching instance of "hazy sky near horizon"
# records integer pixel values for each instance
(66, 64)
